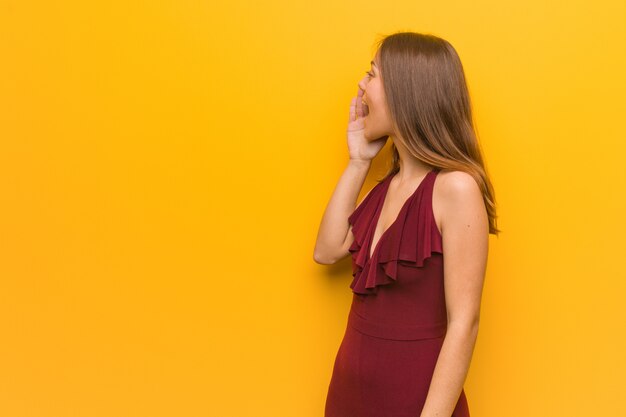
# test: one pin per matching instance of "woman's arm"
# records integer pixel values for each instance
(465, 232)
(333, 239)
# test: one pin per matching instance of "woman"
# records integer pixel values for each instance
(412, 327)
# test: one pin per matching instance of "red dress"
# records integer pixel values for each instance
(398, 318)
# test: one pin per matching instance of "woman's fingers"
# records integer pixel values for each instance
(352, 110)
(358, 109)
(359, 103)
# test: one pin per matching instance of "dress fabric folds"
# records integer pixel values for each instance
(398, 317)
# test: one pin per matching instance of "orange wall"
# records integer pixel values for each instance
(164, 167)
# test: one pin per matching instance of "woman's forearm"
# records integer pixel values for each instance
(334, 225)
(451, 370)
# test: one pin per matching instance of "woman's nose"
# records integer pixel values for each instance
(363, 82)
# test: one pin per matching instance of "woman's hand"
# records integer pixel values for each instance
(359, 147)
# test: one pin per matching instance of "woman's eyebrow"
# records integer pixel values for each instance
(373, 63)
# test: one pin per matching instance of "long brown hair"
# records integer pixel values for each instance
(430, 108)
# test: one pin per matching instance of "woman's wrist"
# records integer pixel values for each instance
(360, 163)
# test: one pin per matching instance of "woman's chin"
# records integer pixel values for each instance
(368, 134)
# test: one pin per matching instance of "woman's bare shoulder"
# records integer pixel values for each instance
(454, 183)
(455, 192)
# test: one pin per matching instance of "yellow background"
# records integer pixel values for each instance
(164, 167)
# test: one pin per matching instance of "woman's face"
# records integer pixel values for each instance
(377, 122)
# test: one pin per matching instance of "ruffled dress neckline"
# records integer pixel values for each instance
(410, 239)
(379, 209)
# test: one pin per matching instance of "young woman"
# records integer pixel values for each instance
(418, 239)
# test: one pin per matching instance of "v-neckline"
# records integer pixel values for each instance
(379, 209)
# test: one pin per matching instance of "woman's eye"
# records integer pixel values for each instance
(369, 73)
